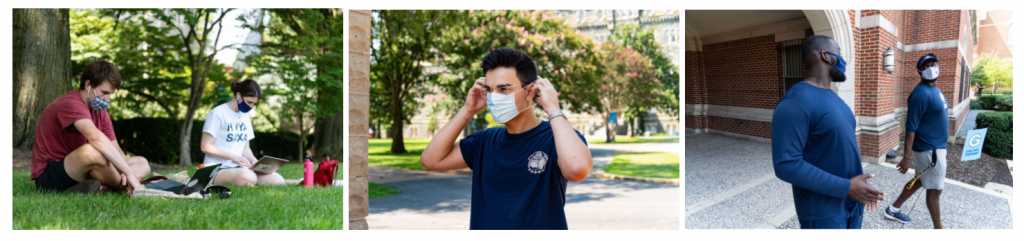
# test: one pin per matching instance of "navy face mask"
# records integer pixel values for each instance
(838, 73)
(842, 63)
(244, 108)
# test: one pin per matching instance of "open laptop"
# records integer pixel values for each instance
(268, 164)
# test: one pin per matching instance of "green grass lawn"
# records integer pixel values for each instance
(263, 207)
(622, 140)
(380, 154)
(377, 190)
(645, 164)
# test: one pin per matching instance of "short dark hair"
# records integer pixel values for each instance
(526, 70)
(247, 88)
(813, 45)
(98, 72)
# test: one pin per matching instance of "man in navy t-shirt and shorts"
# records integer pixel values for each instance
(520, 171)
(927, 133)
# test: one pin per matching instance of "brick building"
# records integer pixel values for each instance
(739, 63)
(995, 33)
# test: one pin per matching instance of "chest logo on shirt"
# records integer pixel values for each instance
(538, 161)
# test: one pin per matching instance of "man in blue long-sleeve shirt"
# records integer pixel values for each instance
(814, 146)
(927, 133)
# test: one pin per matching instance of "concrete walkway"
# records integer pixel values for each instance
(434, 200)
(730, 183)
(969, 123)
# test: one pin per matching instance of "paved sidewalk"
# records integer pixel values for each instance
(969, 123)
(730, 183)
(434, 200)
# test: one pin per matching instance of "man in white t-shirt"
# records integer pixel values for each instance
(226, 136)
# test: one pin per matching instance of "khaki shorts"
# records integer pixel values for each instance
(935, 177)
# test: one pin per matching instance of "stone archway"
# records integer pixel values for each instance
(836, 24)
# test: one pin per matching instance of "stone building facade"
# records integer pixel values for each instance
(358, 118)
(739, 63)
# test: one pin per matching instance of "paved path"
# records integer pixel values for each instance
(969, 122)
(433, 200)
(730, 183)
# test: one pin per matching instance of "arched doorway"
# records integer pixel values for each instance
(836, 24)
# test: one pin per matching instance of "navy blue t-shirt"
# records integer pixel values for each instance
(926, 116)
(814, 147)
(516, 180)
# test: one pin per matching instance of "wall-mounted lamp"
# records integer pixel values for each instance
(889, 59)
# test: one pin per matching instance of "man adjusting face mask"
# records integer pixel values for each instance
(503, 104)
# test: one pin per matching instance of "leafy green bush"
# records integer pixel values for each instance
(1007, 92)
(987, 101)
(999, 138)
(975, 105)
(998, 143)
(1005, 102)
(1002, 121)
(157, 140)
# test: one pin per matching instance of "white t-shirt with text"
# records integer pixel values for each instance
(230, 130)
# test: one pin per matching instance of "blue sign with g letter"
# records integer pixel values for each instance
(972, 149)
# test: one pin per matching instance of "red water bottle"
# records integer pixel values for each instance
(307, 179)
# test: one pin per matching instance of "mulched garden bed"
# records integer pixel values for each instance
(975, 172)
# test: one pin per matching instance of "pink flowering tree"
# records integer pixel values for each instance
(630, 82)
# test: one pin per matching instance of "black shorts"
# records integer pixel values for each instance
(54, 178)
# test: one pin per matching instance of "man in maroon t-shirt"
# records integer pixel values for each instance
(75, 148)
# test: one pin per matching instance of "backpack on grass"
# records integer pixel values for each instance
(325, 173)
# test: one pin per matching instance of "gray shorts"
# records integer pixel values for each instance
(935, 177)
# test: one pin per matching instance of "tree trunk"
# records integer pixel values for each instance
(397, 120)
(609, 134)
(329, 132)
(328, 136)
(42, 67)
(629, 128)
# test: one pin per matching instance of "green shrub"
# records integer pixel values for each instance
(999, 138)
(157, 140)
(975, 105)
(998, 143)
(1007, 92)
(1005, 102)
(987, 101)
(1002, 121)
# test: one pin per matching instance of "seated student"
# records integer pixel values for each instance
(226, 136)
(521, 170)
(75, 148)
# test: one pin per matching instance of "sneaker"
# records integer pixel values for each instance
(87, 187)
(898, 216)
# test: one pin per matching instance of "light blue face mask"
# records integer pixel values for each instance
(97, 103)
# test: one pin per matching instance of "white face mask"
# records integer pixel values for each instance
(503, 107)
(930, 73)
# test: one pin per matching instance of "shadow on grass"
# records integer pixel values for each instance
(263, 207)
